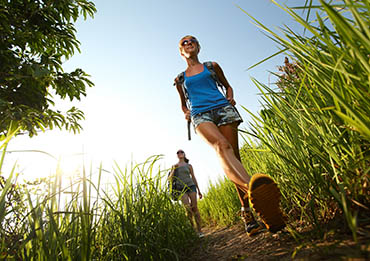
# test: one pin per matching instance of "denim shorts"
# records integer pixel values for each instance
(190, 189)
(219, 116)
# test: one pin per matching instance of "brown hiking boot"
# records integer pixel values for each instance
(265, 195)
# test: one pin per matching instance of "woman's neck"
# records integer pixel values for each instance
(181, 161)
(192, 61)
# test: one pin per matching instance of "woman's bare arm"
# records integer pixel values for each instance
(225, 83)
(194, 180)
(172, 172)
(184, 107)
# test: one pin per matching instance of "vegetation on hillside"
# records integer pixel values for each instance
(85, 219)
(313, 132)
(312, 136)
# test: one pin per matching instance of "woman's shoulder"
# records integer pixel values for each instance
(215, 65)
(212, 66)
(179, 78)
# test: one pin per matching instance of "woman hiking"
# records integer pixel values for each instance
(185, 176)
(216, 120)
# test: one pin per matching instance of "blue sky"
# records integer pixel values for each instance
(130, 49)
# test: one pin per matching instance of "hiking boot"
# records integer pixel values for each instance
(252, 227)
(265, 199)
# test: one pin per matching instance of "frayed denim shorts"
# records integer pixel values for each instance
(219, 116)
(190, 189)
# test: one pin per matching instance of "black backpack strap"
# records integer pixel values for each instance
(211, 69)
(180, 78)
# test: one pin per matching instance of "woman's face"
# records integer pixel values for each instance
(189, 46)
(180, 154)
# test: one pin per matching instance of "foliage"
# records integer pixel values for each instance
(220, 204)
(35, 38)
(132, 219)
(313, 131)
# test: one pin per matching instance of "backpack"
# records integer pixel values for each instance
(181, 80)
(175, 187)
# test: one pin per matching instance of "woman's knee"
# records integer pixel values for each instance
(222, 145)
(194, 209)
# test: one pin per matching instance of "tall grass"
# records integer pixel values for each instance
(313, 131)
(132, 219)
(220, 204)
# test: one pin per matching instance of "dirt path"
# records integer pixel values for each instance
(233, 244)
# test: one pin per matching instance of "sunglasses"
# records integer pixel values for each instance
(187, 41)
(180, 151)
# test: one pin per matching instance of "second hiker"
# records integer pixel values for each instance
(184, 174)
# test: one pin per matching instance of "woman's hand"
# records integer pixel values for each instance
(187, 115)
(230, 96)
(200, 195)
(229, 91)
(231, 100)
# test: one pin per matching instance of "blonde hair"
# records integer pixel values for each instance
(188, 36)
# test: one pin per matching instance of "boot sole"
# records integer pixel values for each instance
(265, 196)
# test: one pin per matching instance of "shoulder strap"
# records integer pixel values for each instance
(180, 78)
(211, 69)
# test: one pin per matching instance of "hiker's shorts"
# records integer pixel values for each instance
(219, 116)
(190, 189)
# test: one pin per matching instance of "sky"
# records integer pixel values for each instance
(130, 49)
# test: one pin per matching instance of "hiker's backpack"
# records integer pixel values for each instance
(180, 79)
(175, 187)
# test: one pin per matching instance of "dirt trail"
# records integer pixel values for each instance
(233, 244)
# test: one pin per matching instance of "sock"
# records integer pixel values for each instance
(246, 209)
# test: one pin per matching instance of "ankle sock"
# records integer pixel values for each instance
(246, 209)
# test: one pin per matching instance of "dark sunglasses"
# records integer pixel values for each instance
(180, 151)
(187, 41)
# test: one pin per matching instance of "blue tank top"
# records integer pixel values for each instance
(203, 92)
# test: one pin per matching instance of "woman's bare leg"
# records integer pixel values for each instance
(187, 204)
(230, 132)
(194, 208)
(225, 151)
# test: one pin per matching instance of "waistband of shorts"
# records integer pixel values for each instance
(211, 110)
